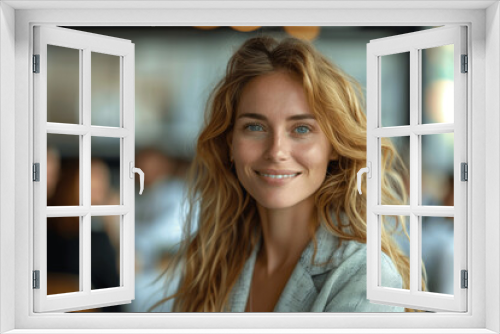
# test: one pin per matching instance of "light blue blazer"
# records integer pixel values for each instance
(338, 286)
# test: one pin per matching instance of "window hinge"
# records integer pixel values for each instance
(36, 279)
(36, 63)
(465, 279)
(465, 64)
(464, 172)
(36, 172)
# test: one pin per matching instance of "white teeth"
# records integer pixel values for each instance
(279, 176)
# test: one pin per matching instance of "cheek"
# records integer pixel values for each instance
(315, 156)
(245, 151)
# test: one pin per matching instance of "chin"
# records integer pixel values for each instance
(276, 204)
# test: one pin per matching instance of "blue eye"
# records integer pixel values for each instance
(302, 129)
(254, 127)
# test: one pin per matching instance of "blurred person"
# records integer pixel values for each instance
(159, 219)
(102, 193)
(280, 226)
(158, 222)
(53, 170)
(63, 239)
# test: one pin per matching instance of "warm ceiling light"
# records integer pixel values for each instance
(206, 27)
(245, 28)
(307, 33)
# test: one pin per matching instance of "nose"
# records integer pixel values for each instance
(278, 147)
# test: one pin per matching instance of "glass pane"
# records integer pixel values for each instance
(398, 228)
(105, 253)
(63, 170)
(437, 253)
(437, 169)
(105, 171)
(63, 255)
(105, 90)
(395, 89)
(63, 85)
(396, 190)
(437, 85)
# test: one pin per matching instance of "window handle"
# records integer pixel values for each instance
(368, 171)
(138, 171)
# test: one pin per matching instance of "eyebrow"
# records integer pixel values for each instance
(264, 118)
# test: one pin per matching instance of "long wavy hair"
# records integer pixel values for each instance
(227, 228)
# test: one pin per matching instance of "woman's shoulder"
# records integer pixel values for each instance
(350, 258)
(341, 284)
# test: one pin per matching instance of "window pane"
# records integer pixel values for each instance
(105, 253)
(105, 90)
(437, 85)
(437, 253)
(398, 177)
(63, 85)
(63, 255)
(437, 169)
(398, 228)
(395, 89)
(63, 170)
(105, 171)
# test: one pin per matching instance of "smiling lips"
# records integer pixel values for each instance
(277, 174)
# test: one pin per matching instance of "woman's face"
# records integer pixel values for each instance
(280, 153)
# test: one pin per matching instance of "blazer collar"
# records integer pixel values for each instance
(300, 289)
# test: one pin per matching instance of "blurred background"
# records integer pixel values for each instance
(175, 70)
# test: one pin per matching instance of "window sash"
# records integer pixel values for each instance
(413, 43)
(86, 43)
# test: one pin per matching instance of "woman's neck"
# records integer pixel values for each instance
(286, 232)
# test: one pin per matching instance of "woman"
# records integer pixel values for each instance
(281, 226)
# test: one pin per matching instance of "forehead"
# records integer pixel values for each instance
(278, 93)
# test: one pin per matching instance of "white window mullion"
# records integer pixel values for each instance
(79, 130)
(372, 185)
(67, 129)
(433, 211)
(66, 211)
(415, 81)
(123, 184)
(432, 129)
(127, 227)
(85, 179)
(422, 129)
(392, 131)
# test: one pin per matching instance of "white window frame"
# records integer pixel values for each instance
(17, 19)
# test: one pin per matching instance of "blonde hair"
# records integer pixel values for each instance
(212, 257)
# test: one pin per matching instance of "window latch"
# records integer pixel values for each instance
(133, 170)
(368, 171)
